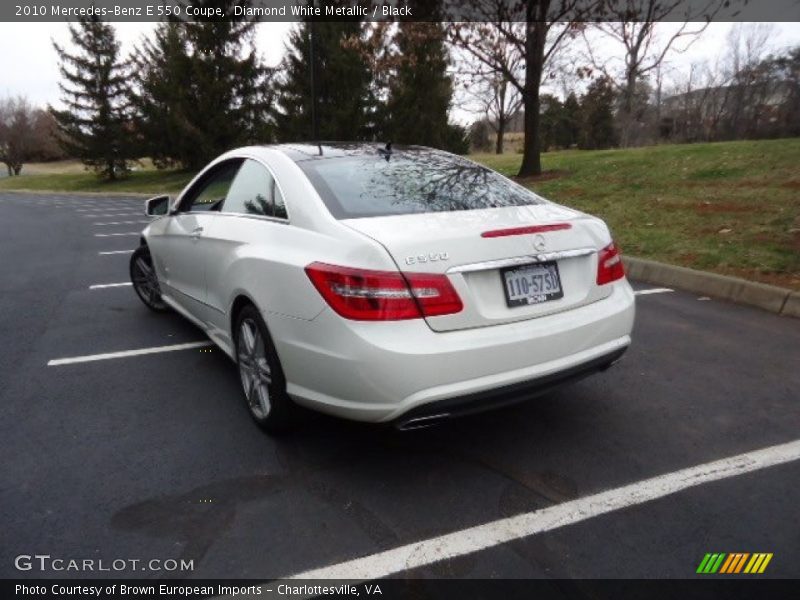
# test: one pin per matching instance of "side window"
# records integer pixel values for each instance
(211, 191)
(254, 192)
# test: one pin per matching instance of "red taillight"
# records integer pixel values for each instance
(365, 295)
(526, 230)
(609, 265)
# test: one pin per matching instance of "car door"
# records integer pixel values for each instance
(245, 236)
(184, 252)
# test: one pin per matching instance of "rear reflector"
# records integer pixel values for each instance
(365, 295)
(526, 230)
(609, 265)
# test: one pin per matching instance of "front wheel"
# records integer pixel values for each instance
(145, 281)
(260, 372)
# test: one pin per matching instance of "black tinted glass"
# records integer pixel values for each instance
(251, 191)
(210, 192)
(410, 182)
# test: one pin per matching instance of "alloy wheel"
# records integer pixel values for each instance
(254, 369)
(145, 282)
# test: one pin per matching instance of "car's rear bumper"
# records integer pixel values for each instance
(382, 371)
(428, 414)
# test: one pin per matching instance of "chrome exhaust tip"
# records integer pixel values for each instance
(422, 422)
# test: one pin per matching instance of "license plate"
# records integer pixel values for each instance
(531, 284)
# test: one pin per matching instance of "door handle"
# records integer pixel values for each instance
(196, 233)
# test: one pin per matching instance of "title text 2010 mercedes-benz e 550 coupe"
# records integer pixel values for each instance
(399, 285)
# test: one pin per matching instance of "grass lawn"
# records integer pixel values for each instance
(71, 176)
(730, 207)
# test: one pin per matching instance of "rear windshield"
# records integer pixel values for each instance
(406, 183)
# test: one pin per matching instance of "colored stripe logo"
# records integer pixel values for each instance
(734, 563)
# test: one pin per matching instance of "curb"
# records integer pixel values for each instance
(779, 301)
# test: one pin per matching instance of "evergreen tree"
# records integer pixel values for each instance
(598, 130)
(457, 140)
(479, 133)
(345, 104)
(560, 121)
(202, 89)
(162, 101)
(551, 122)
(572, 120)
(95, 124)
(420, 89)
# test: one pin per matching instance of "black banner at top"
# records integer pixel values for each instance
(407, 10)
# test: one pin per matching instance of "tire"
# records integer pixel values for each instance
(145, 281)
(260, 373)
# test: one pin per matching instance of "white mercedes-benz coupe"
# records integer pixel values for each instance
(402, 285)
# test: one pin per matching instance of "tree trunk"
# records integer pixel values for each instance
(17, 169)
(628, 95)
(501, 131)
(535, 40)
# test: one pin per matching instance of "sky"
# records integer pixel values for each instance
(30, 65)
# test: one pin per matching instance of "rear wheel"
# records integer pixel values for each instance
(145, 280)
(260, 373)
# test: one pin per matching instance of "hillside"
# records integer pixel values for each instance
(731, 207)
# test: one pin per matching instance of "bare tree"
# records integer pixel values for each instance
(632, 25)
(710, 99)
(17, 133)
(729, 92)
(747, 47)
(504, 102)
(490, 92)
(543, 27)
(45, 133)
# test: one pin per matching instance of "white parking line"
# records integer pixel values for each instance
(126, 353)
(100, 213)
(652, 291)
(489, 535)
(117, 234)
(116, 252)
(100, 208)
(100, 286)
(121, 223)
(110, 215)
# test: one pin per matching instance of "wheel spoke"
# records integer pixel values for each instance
(248, 381)
(248, 337)
(258, 345)
(144, 267)
(262, 392)
(264, 372)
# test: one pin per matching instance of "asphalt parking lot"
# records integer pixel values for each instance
(155, 456)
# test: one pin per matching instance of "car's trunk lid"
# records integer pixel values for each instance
(452, 243)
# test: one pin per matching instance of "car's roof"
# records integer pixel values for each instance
(305, 151)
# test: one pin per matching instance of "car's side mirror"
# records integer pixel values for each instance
(156, 206)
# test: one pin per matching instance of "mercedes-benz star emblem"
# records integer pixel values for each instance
(539, 242)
